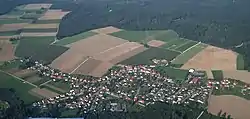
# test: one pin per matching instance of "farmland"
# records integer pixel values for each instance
(218, 74)
(238, 75)
(152, 53)
(14, 20)
(8, 81)
(240, 62)
(177, 74)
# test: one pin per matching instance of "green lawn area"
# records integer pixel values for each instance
(136, 36)
(48, 21)
(240, 62)
(71, 39)
(146, 56)
(186, 46)
(11, 21)
(21, 88)
(39, 49)
(178, 74)
(174, 43)
(218, 74)
(167, 36)
(61, 84)
(40, 30)
(183, 58)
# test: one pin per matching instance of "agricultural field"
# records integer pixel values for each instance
(65, 86)
(12, 27)
(38, 34)
(152, 53)
(43, 93)
(50, 21)
(106, 30)
(101, 69)
(167, 36)
(218, 74)
(7, 81)
(155, 43)
(8, 33)
(186, 56)
(34, 6)
(13, 21)
(240, 62)
(177, 74)
(53, 14)
(238, 75)
(75, 38)
(213, 58)
(237, 107)
(41, 30)
(6, 51)
(137, 36)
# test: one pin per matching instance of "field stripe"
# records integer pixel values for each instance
(19, 78)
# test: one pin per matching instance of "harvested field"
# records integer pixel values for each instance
(12, 27)
(235, 106)
(101, 69)
(53, 14)
(213, 58)
(155, 43)
(118, 51)
(126, 56)
(41, 26)
(95, 44)
(107, 30)
(238, 75)
(88, 66)
(36, 6)
(5, 37)
(62, 62)
(27, 34)
(6, 50)
(44, 92)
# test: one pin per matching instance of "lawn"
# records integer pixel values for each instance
(152, 53)
(21, 88)
(178, 74)
(174, 43)
(135, 36)
(39, 49)
(48, 21)
(186, 46)
(61, 84)
(11, 21)
(40, 30)
(240, 62)
(218, 74)
(71, 39)
(183, 58)
(167, 36)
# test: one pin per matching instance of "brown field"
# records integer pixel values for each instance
(238, 75)
(27, 34)
(9, 16)
(33, 79)
(68, 65)
(212, 58)
(106, 30)
(36, 6)
(101, 69)
(24, 73)
(155, 43)
(5, 37)
(12, 27)
(44, 92)
(87, 66)
(41, 26)
(55, 88)
(117, 51)
(53, 14)
(237, 107)
(6, 50)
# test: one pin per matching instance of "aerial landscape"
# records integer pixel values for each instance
(125, 59)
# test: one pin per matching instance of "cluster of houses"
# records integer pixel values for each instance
(139, 84)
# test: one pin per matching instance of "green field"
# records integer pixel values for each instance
(39, 49)
(11, 21)
(62, 85)
(21, 88)
(40, 30)
(52, 89)
(146, 56)
(240, 62)
(47, 21)
(75, 38)
(41, 81)
(218, 74)
(174, 43)
(186, 46)
(167, 36)
(8, 33)
(183, 58)
(136, 36)
(9, 65)
(178, 74)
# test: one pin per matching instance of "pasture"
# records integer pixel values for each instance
(75, 38)
(146, 56)
(8, 81)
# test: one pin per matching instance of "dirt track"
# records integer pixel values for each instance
(107, 30)
(238, 75)
(6, 50)
(237, 107)
(155, 43)
(12, 27)
(213, 58)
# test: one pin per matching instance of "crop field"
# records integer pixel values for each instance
(34, 6)
(107, 30)
(185, 46)
(178, 74)
(237, 107)
(185, 56)
(213, 58)
(39, 49)
(53, 14)
(61, 85)
(175, 43)
(75, 38)
(240, 62)
(44, 93)
(238, 75)
(152, 53)
(32, 15)
(6, 51)
(8, 81)
(167, 36)
(12, 27)
(9, 65)
(41, 26)
(101, 69)
(8, 33)
(38, 34)
(40, 30)
(13, 21)
(136, 36)
(50, 21)
(155, 43)
(218, 74)
(88, 66)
